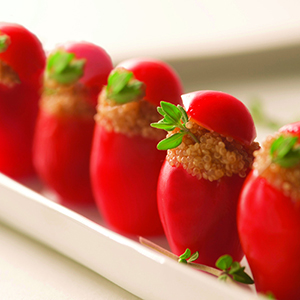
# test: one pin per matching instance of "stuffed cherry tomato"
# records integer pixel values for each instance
(204, 170)
(125, 162)
(22, 62)
(75, 74)
(269, 215)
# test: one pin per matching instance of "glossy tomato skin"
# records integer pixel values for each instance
(62, 143)
(24, 54)
(18, 112)
(124, 174)
(269, 228)
(222, 113)
(62, 149)
(125, 168)
(19, 102)
(199, 214)
(162, 82)
(293, 128)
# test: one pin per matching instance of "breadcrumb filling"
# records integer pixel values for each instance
(286, 180)
(66, 100)
(8, 76)
(133, 118)
(213, 157)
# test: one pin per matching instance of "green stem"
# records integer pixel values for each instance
(159, 249)
(187, 131)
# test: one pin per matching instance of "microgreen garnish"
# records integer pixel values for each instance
(174, 117)
(187, 256)
(285, 152)
(4, 42)
(64, 68)
(122, 87)
(232, 269)
(226, 267)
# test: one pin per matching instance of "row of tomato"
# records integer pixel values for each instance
(47, 126)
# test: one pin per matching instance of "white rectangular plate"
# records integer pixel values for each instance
(134, 267)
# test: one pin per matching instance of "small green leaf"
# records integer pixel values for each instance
(186, 254)
(183, 257)
(284, 152)
(171, 111)
(174, 117)
(289, 160)
(235, 267)
(169, 120)
(64, 68)
(4, 42)
(224, 262)
(123, 88)
(194, 257)
(163, 125)
(118, 80)
(171, 142)
(223, 277)
(283, 145)
(161, 111)
(184, 115)
(241, 276)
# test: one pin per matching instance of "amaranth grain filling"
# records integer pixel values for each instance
(286, 180)
(8, 76)
(213, 157)
(67, 100)
(133, 118)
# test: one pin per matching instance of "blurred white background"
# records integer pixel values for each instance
(162, 28)
(246, 48)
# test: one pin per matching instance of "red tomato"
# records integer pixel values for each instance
(62, 155)
(222, 113)
(19, 101)
(24, 53)
(124, 172)
(200, 214)
(162, 82)
(124, 168)
(269, 228)
(62, 143)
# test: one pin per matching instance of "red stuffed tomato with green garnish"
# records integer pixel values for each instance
(75, 74)
(125, 163)
(201, 178)
(269, 216)
(22, 62)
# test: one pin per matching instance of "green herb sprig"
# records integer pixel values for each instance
(285, 151)
(187, 256)
(226, 267)
(232, 269)
(174, 117)
(122, 87)
(4, 42)
(64, 68)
